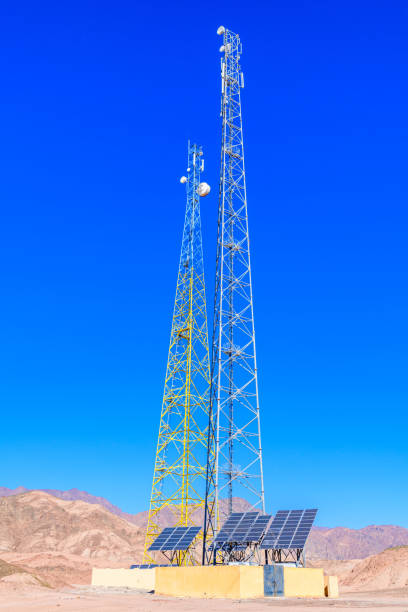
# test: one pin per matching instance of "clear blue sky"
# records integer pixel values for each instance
(98, 101)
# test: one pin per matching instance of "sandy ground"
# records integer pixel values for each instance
(82, 598)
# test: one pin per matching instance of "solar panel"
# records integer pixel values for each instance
(228, 527)
(289, 529)
(240, 532)
(175, 538)
(239, 528)
(258, 527)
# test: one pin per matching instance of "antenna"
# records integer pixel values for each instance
(178, 486)
(235, 469)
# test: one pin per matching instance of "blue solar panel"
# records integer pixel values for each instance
(175, 538)
(240, 528)
(258, 528)
(228, 527)
(239, 533)
(289, 529)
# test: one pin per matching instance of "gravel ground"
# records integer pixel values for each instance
(84, 598)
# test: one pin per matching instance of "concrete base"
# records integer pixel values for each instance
(331, 586)
(226, 581)
(142, 579)
(303, 582)
(282, 581)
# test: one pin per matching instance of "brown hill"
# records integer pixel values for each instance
(54, 569)
(16, 575)
(47, 540)
(387, 570)
(140, 519)
(324, 543)
(37, 522)
(76, 495)
(344, 543)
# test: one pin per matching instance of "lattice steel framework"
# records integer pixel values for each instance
(234, 424)
(178, 490)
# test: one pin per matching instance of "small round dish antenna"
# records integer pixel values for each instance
(203, 189)
(220, 30)
(183, 180)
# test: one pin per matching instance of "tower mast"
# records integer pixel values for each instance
(234, 423)
(178, 489)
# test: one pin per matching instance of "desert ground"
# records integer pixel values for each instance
(49, 544)
(51, 580)
(18, 598)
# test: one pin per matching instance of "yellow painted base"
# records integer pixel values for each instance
(303, 582)
(331, 586)
(223, 581)
(143, 579)
(226, 581)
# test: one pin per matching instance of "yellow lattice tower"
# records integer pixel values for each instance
(178, 490)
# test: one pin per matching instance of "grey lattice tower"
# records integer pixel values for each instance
(236, 470)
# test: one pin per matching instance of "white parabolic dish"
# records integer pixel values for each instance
(203, 189)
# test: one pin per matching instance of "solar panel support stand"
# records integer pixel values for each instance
(238, 540)
(281, 556)
(177, 558)
(250, 555)
(285, 539)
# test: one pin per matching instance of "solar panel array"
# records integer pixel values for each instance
(175, 538)
(240, 528)
(289, 529)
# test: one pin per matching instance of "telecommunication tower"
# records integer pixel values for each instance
(178, 490)
(234, 425)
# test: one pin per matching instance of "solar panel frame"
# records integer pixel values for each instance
(289, 529)
(229, 526)
(187, 538)
(175, 538)
(258, 527)
(240, 531)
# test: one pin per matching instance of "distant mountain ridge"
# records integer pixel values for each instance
(139, 519)
(35, 522)
(77, 495)
(343, 543)
(323, 543)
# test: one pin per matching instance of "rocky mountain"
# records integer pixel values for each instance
(49, 541)
(99, 535)
(77, 495)
(387, 570)
(37, 522)
(16, 575)
(344, 543)
(5, 492)
(53, 569)
(139, 519)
